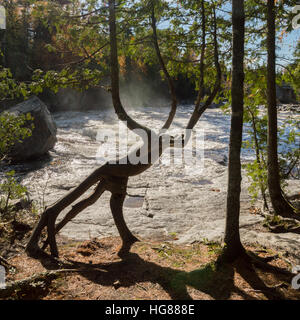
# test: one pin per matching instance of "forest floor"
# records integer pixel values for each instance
(151, 271)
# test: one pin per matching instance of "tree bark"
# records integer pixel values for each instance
(114, 65)
(279, 203)
(164, 69)
(233, 246)
(201, 92)
(199, 109)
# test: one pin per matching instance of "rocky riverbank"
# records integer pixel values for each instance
(289, 107)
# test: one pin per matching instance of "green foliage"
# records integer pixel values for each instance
(275, 221)
(214, 247)
(258, 177)
(289, 155)
(10, 190)
(80, 79)
(289, 152)
(256, 120)
(291, 73)
(9, 87)
(12, 130)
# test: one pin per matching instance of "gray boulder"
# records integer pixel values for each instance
(43, 136)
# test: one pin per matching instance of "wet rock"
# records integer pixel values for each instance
(219, 158)
(289, 107)
(285, 94)
(43, 136)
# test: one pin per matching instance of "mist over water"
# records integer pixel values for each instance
(135, 93)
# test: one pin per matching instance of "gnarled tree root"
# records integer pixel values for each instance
(116, 185)
(77, 208)
(5, 263)
(253, 259)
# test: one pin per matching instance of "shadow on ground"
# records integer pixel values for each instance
(218, 283)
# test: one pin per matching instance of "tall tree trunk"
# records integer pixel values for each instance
(200, 108)
(202, 55)
(164, 69)
(232, 240)
(279, 203)
(2, 46)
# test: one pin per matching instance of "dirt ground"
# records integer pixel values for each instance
(151, 271)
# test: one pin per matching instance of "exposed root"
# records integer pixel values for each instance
(80, 206)
(284, 229)
(5, 263)
(251, 258)
(50, 215)
(126, 246)
(262, 263)
(269, 258)
(77, 208)
(116, 185)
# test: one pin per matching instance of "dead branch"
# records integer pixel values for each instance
(39, 280)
